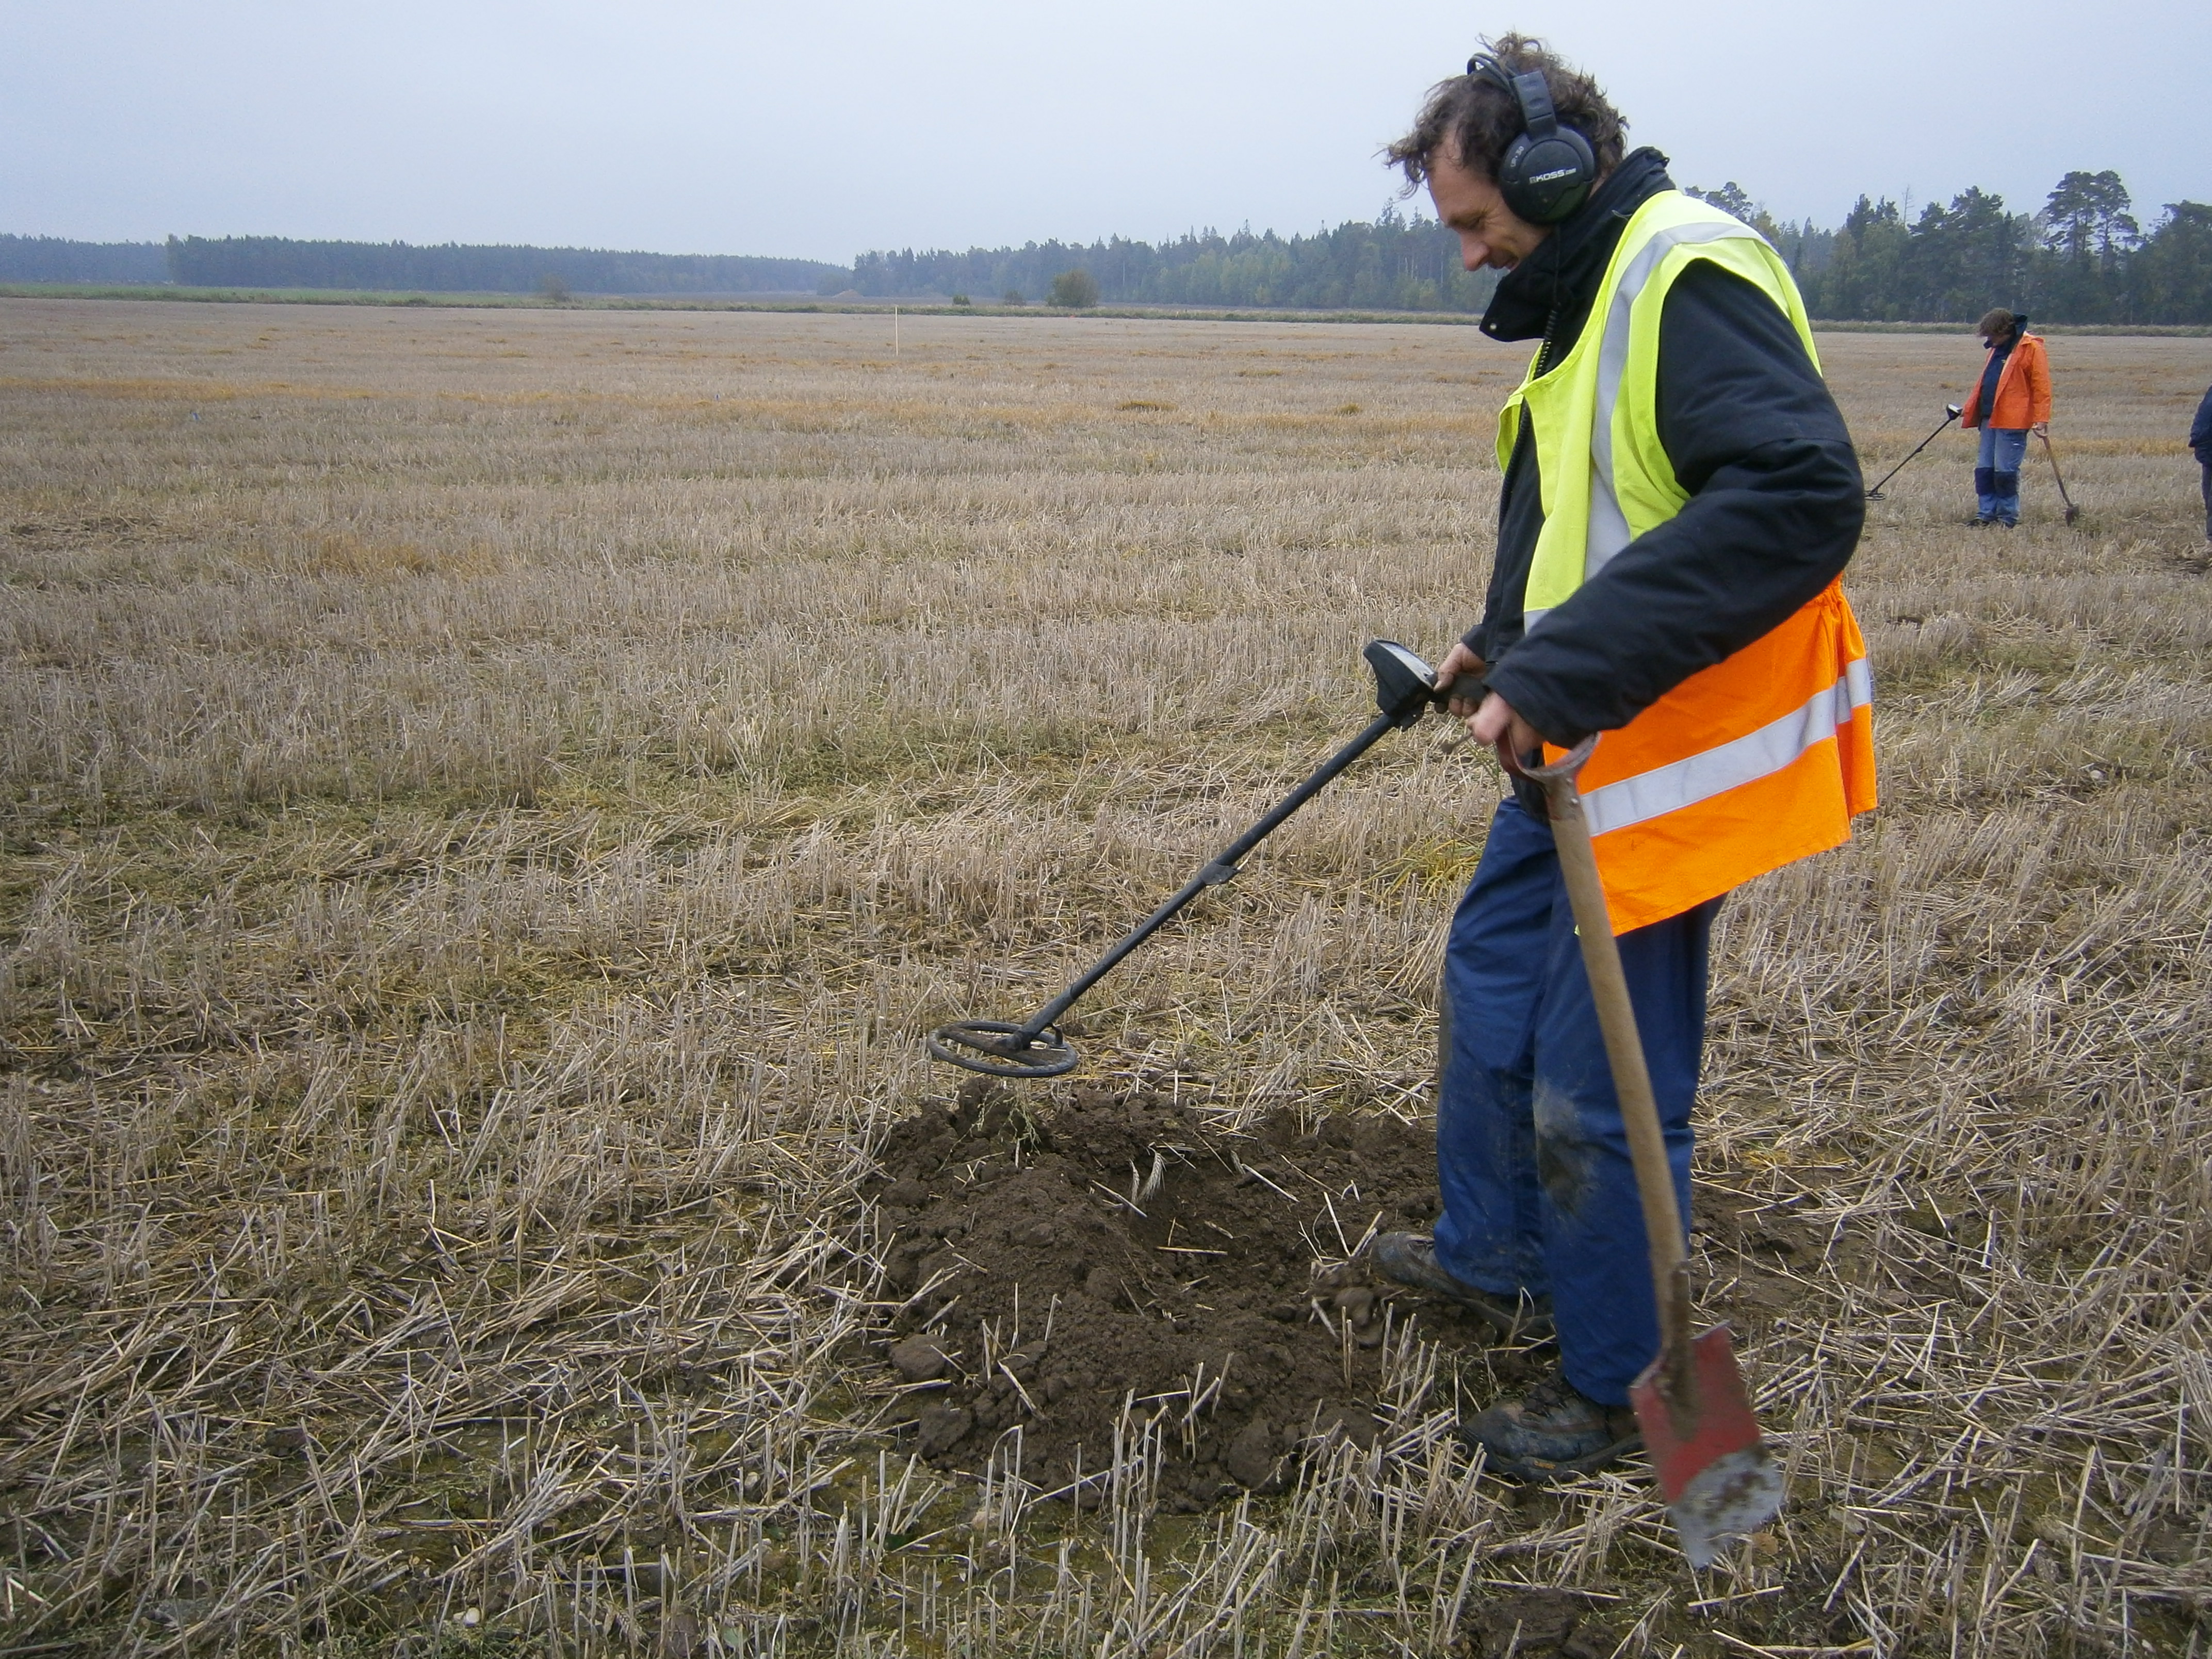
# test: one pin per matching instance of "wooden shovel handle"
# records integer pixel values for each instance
(1632, 1079)
(2052, 456)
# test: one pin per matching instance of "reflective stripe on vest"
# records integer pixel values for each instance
(1760, 759)
(1714, 771)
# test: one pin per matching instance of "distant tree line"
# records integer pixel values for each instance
(57, 259)
(451, 267)
(1395, 264)
(2083, 257)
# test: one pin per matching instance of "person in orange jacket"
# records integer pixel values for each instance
(2012, 395)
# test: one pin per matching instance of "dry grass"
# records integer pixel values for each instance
(492, 800)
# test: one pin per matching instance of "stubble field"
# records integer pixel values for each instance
(493, 800)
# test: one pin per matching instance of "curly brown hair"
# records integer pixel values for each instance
(1483, 120)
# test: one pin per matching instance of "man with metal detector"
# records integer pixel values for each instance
(1680, 498)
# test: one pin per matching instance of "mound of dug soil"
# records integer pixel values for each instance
(1065, 1266)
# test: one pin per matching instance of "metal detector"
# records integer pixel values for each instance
(1405, 688)
(1951, 412)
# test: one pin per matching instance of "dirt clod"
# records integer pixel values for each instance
(1111, 1259)
(1251, 1457)
(943, 1427)
(919, 1359)
(1531, 1622)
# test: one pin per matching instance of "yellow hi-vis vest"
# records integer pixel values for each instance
(1765, 757)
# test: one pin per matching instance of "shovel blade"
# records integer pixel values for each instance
(1715, 1472)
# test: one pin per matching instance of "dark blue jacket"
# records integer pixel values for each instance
(2200, 430)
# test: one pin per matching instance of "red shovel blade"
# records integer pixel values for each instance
(1714, 1469)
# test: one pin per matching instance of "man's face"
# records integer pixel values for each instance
(1491, 234)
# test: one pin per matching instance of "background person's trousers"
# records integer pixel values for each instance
(1532, 1160)
(1997, 474)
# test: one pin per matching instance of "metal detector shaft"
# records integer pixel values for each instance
(1405, 688)
(1222, 869)
(1951, 412)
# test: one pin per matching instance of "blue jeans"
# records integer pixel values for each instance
(1532, 1159)
(1996, 475)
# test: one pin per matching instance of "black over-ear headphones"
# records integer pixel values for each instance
(1546, 172)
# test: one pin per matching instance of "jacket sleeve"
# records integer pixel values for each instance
(2200, 429)
(2037, 368)
(1774, 509)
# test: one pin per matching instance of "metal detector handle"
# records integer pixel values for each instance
(1624, 1049)
(1222, 868)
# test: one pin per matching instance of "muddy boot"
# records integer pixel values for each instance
(1411, 1259)
(1552, 1431)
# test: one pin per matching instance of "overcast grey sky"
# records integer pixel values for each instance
(694, 126)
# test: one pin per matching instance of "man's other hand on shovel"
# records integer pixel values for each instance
(1490, 718)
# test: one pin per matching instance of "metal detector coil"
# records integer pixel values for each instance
(997, 1048)
(1405, 688)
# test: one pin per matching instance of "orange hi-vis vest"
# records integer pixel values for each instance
(1765, 757)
